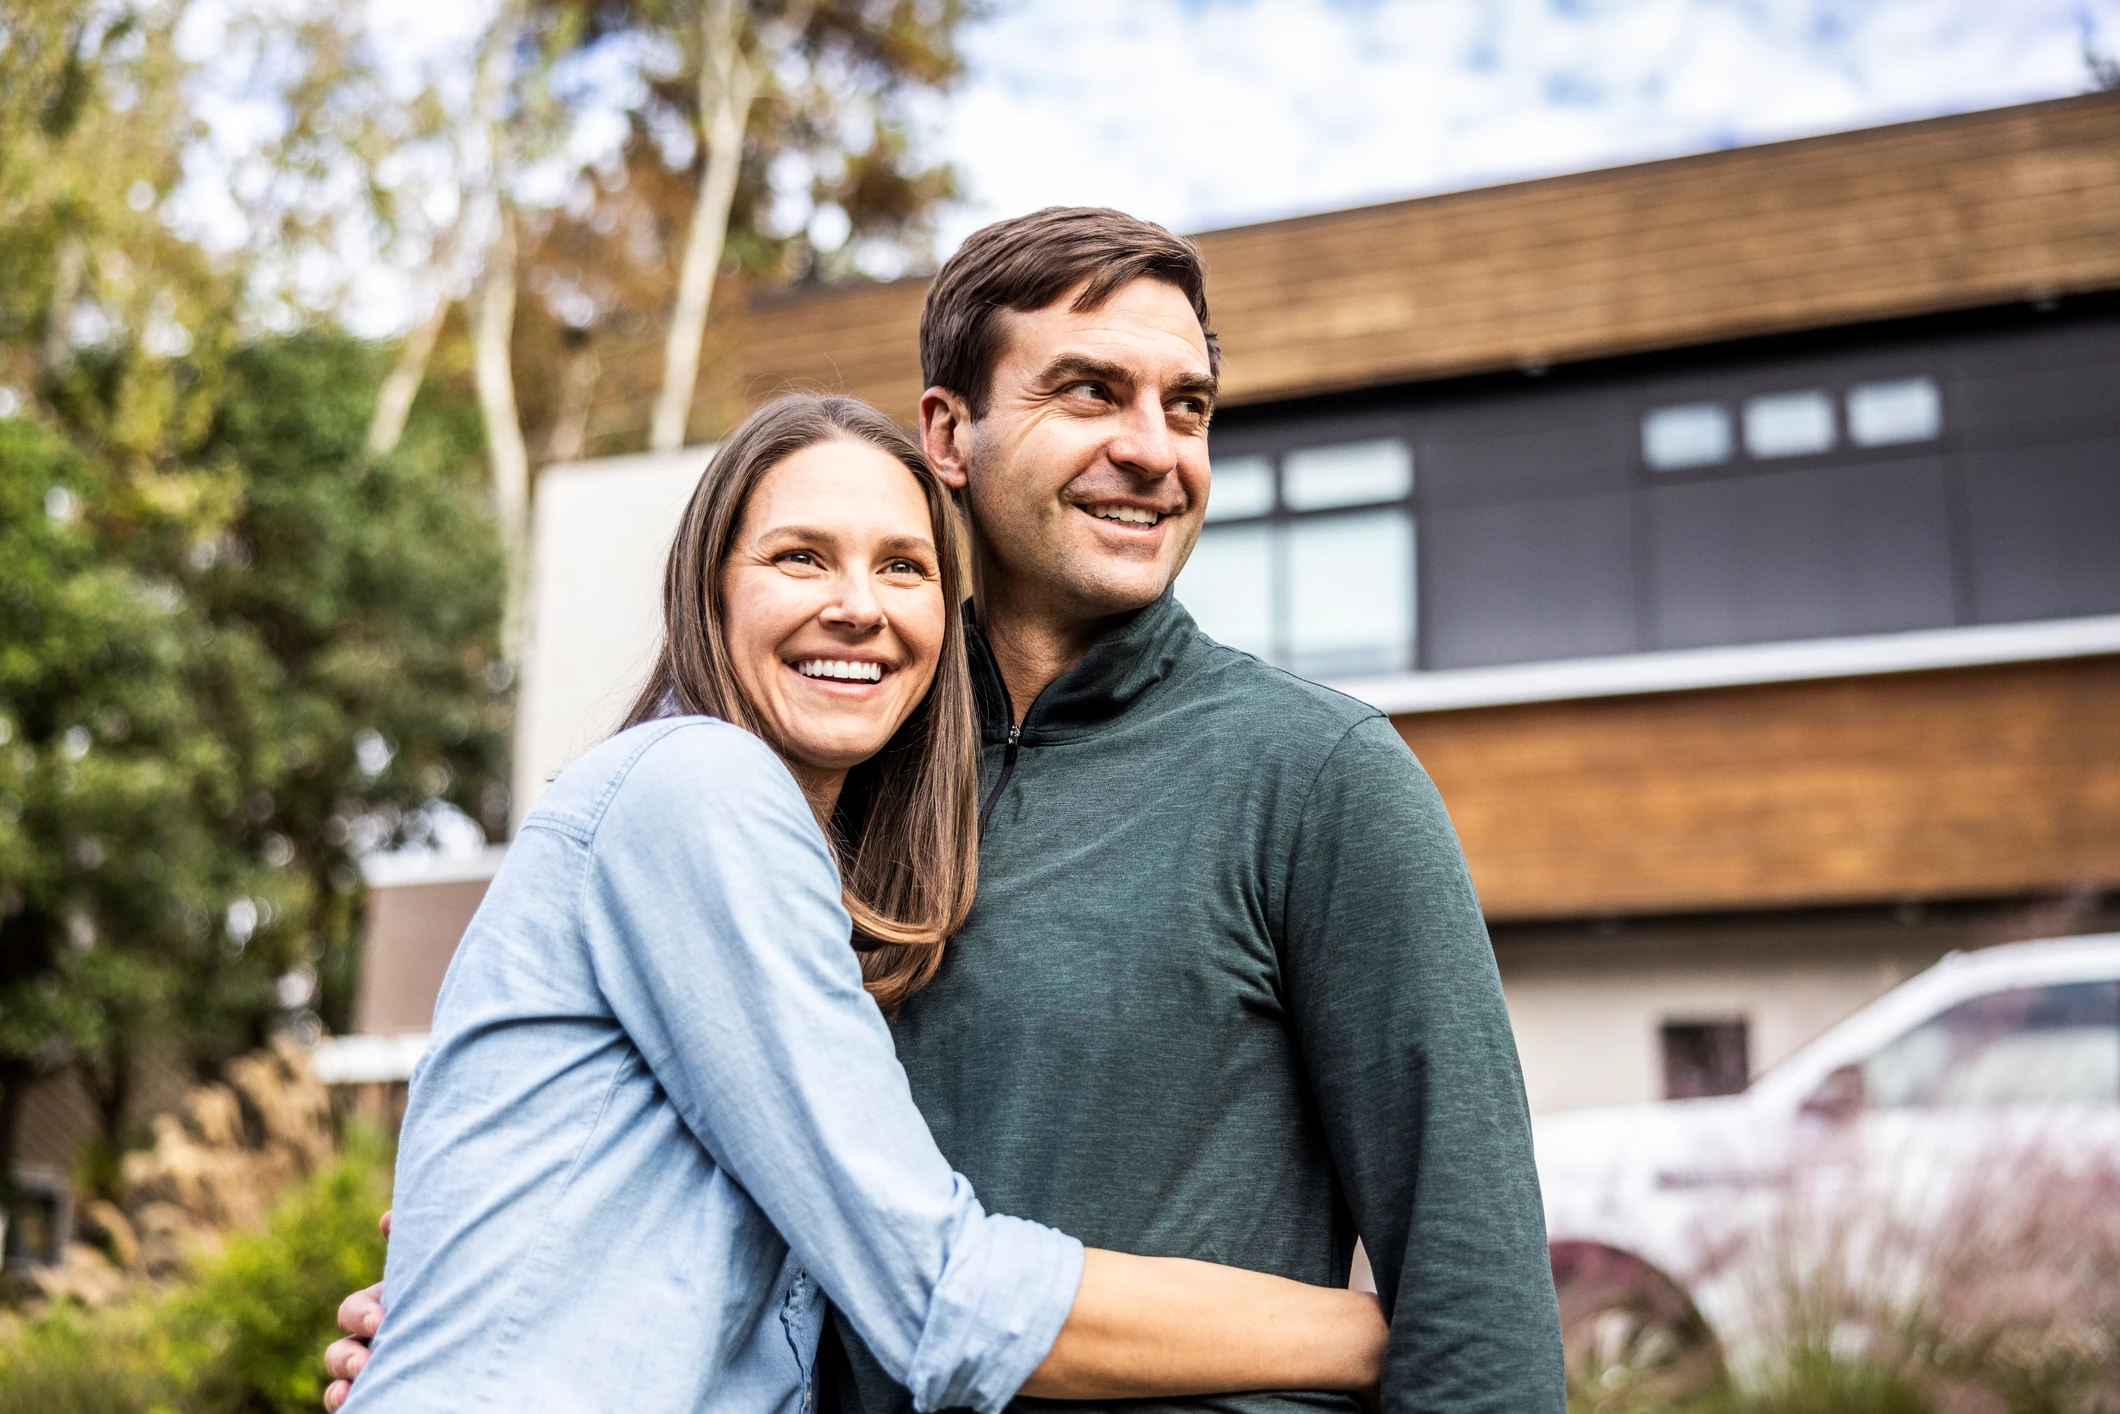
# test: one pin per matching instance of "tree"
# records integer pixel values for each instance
(235, 648)
(827, 70)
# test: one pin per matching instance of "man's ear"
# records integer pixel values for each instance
(946, 435)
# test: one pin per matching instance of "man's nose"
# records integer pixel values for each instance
(853, 606)
(1144, 443)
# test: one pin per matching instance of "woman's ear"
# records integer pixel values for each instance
(945, 435)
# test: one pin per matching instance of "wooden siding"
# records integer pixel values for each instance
(1951, 213)
(1953, 784)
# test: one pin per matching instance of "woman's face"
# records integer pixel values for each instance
(833, 597)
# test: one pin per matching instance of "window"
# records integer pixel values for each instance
(1788, 424)
(1350, 593)
(1242, 487)
(1353, 474)
(1705, 1058)
(1688, 435)
(2027, 1046)
(1228, 584)
(1894, 413)
(1318, 577)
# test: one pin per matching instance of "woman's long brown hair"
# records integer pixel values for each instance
(907, 830)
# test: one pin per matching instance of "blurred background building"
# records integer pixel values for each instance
(1736, 539)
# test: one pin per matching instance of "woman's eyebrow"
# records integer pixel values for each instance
(891, 544)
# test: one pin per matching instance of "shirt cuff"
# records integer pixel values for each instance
(999, 1307)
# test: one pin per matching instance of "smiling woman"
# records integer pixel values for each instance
(810, 599)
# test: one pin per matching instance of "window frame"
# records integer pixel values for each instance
(1275, 445)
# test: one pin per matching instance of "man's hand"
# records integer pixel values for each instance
(360, 1316)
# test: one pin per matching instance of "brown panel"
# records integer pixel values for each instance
(1953, 213)
(410, 934)
(1951, 784)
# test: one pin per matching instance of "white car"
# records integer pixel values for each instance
(1962, 1108)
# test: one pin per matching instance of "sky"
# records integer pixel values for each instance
(1208, 113)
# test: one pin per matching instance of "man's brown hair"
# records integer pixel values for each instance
(1029, 262)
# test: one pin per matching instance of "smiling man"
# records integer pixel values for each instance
(1226, 992)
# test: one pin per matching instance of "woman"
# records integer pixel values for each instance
(659, 1122)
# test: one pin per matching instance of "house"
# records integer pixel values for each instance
(1736, 539)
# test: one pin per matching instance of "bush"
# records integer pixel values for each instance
(244, 1334)
(70, 1363)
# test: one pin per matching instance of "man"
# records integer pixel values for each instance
(1226, 992)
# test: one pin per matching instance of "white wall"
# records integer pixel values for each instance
(1588, 1009)
(599, 536)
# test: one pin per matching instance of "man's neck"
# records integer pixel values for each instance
(1031, 644)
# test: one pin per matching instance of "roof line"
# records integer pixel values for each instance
(1692, 669)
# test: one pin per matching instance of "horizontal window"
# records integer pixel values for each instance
(1788, 424)
(1242, 487)
(1351, 474)
(1687, 435)
(1891, 414)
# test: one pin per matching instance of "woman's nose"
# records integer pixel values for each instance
(853, 606)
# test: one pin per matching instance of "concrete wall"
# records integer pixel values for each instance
(601, 534)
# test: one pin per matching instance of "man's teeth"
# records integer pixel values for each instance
(1128, 515)
(842, 669)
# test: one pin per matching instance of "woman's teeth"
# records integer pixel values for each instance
(845, 670)
(1126, 515)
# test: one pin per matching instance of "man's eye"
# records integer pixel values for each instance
(1091, 390)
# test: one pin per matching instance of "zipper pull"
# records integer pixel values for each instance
(1015, 730)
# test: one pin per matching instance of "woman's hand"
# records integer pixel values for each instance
(360, 1316)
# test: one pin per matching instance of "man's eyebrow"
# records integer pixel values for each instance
(1068, 367)
(1198, 385)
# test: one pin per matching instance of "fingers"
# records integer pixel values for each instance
(361, 1314)
(344, 1357)
(385, 1223)
(335, 1394)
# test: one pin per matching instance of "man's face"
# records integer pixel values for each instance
(1087, 476)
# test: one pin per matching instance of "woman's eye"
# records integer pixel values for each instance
(795, 557)
(906, 567)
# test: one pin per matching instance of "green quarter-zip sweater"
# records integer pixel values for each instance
(1227, 994)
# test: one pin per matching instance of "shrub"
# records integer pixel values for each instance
(247, 1334)
(244, 1333)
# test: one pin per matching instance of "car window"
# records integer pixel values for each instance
(2028, 1046)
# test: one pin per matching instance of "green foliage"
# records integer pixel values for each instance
(244, 1335)
(249, 1333)
(72, 1363)
(193, 657)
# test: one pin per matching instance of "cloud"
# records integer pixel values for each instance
(1206, 113)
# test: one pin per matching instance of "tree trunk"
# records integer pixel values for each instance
(493, 371)
(394, 404)
(728, 81)
(578, 375)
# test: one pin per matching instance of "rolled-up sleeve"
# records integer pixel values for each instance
(713, 916)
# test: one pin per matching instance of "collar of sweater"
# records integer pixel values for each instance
(1120, 668)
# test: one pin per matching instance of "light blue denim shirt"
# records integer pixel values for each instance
(660, 1122)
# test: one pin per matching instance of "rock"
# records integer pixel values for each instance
(100, 1218)
(84, 1275)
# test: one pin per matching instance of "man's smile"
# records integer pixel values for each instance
(1120, 513)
